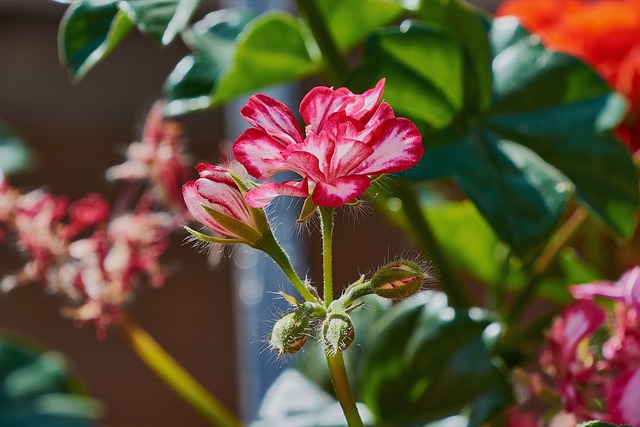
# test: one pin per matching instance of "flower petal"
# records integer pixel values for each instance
(604, 289)
(224, 198)
(397, 146)
(622, 401)
(318, 105)
(258, 153)
(578, 321)
(630, 282)
(194, 203)
(341, 191)
(263, 195)
(362, 106)
(273, 118)
(306, 164)
(215, 173)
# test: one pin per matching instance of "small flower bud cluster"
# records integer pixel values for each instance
(396, 280)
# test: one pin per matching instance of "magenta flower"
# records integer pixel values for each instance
(216, 201)
(349, 138)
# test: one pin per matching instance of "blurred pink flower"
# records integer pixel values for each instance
(158, 158)
(599, 379)
(348, 138)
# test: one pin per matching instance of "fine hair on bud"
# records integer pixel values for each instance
(400, 279)
(337, 333)
(291, 331)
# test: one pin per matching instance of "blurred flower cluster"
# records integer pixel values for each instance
(593, 352)
(86, 250)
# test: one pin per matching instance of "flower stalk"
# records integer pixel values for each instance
(174, 375)
(326, 221)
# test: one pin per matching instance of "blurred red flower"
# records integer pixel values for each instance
(603, 33)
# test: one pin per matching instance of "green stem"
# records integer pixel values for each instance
(335, 66)
(454, 290)
(342, 388)
(542, 262)
(169, 371)
(272, 248)
(326, 222)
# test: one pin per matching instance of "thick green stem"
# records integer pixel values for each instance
(342, 388)
(272, 248)
(542, 262)
(454, 290)
(179, 380)
(326, 222)
(335, 67)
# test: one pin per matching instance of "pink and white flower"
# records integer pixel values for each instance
(348, 138)
(216, 201)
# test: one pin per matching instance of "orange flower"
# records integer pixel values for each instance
(603, 33)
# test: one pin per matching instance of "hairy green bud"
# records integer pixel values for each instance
(337, 332)
(398, 279)
(291, 331)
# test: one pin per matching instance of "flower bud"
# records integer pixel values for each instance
(398, 279)
(291, 331)
(337, 332)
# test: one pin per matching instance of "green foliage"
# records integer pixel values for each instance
(37, 389)
(15, 156)
(91, 29)
(426, 361)
(546, 134)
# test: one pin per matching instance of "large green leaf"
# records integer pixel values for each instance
(15, 156)
(89, 31)
(350, 21)
(37, 389)
(160, 19)
(233, 57)
(213, 41)
(426, 361)
(547, 132)
(468, 26)
(424, 68)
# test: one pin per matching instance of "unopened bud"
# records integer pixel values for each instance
(337, 332)
(291, 331)
(398, 279)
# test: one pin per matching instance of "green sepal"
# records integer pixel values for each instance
(246, 233)
(308, 208)
(210, 239)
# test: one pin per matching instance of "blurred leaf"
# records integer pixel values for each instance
(546, 133)
(468, 26)
(37, 389)
(294, 401)
(575, 269)
(424, 67)
(350, 21)
(213, 41)
(427, 361)
(160, 19)
(89, 31)
(271, 49)
(15, 156)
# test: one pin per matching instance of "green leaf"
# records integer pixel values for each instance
(424, 68)
(271, 49)
(350, 21)
(427, 361)
(213, 41)
(38, 390)
(15, 156)
(160, 19)
(468, 26)
(89, 31)
(547, 133)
